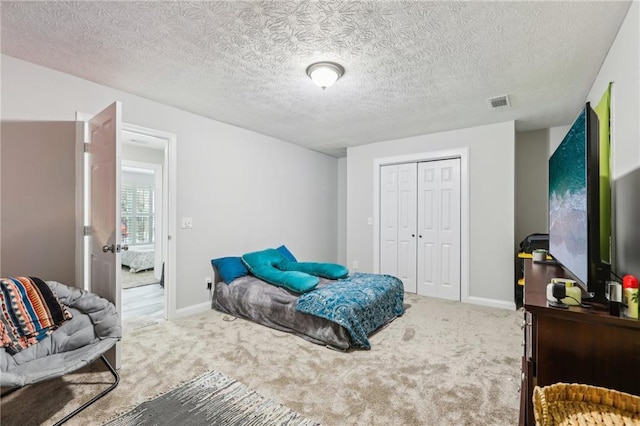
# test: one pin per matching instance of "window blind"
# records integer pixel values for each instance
(137, 213)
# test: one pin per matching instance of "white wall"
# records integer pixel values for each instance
(146, 155)
(137, 178)
(245, 191)
(491, 203)
(556, 134)
(622, 67)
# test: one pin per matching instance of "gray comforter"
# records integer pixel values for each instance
(94, 328)
(251, 298)
(139, 258)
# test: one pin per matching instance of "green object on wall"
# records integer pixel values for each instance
(603, 112)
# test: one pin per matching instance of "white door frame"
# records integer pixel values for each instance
(169, 209)
(169, 183)
(463, 155)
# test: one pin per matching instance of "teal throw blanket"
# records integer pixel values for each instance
(361, 303)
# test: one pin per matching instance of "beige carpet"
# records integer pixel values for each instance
(442, 363)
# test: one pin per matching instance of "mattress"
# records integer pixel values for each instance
(253, 299)
(139, 258)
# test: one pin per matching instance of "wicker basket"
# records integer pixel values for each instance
(574, 404)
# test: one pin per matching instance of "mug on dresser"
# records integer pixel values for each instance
(539, 255)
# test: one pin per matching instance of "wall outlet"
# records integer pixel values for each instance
(187, 223)
(207, 281)
(355, 264)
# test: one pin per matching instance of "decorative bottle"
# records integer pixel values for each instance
(630, 295)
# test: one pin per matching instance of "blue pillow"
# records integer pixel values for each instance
(332, 271)
(229, 268)
(286, 253)
(267, 264)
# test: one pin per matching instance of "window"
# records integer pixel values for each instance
(137, 212)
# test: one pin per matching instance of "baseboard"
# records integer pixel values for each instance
(491, 302)
(193, 309)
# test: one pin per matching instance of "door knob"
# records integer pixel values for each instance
(125, 247)
(413, 235)
(111, 248)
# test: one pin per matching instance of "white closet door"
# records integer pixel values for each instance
(439, 229)
(389, 220)
(398, 223)
(407, 216)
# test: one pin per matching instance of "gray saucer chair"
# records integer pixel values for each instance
(93, 330)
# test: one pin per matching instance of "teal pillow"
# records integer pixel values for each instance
(229, 268)
(332, 271)
(268, 265)
(298, 282)
(286, 253)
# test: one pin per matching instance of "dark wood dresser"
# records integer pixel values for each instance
(575, 345)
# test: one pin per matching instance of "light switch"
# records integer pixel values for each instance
(369, 221)
(187, 223)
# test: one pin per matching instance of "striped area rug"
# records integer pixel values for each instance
(211, 399)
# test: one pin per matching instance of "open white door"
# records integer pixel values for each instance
(106, 238)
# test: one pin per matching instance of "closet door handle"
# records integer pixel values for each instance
(420, 236)
(413, 235)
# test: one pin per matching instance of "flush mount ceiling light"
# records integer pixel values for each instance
(324, 74)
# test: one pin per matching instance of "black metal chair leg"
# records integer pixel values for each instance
(97, 397)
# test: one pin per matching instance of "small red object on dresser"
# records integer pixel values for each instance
(630, 295)
(629, 281)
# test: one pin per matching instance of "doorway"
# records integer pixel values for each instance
(141, 194)
(98, 235)
(142, 199)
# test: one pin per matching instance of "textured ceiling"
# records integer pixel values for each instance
(412, 67)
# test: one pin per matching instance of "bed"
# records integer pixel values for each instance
(139, 258)
(340, 314)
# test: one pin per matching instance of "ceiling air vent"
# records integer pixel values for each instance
(499, 102)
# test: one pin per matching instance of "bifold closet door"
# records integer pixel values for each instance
(398, 192)
(439, 229)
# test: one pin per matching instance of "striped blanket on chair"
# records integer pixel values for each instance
(30, 311)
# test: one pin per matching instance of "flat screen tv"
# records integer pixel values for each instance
(574, 206)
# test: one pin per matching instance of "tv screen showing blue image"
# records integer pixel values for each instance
(568, 201)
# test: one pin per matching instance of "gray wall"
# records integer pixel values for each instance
(342, 211)
(38, 200)
(532, 165)
(221, 166)
(622, 67)
(491, 203)
(627, 230)
(245, 191)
